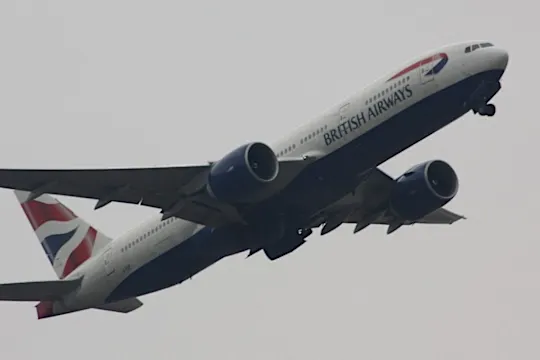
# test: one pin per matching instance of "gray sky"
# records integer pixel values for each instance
(139, 83)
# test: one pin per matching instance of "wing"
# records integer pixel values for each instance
(178, 191)
(439, 216)
(37, 290)
(369, 205)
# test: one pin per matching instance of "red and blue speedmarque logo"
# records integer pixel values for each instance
(439, 60)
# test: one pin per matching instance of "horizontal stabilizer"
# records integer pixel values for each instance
(122, 306)
(38, 290)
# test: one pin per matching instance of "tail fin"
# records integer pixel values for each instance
(67, 239)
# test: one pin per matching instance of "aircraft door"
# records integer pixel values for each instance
(108, 261)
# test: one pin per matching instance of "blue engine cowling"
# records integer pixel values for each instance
(244, 175)
(423, 189)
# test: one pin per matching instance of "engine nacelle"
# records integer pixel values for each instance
(423, 189)
(244, 175)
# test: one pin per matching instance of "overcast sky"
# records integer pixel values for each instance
(144, 83)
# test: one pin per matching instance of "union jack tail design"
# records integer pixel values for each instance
(67, 239)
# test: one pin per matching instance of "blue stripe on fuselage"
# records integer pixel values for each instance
(181, 262)
(308, 193)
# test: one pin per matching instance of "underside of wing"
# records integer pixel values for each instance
(439, 216)
(370, 204)
(158, 187)
(178, 191)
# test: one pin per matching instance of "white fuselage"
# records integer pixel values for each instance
(341, 125)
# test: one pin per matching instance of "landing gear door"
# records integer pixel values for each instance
(426, 70)
(107, 262)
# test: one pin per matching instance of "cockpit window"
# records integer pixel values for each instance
(469, 49)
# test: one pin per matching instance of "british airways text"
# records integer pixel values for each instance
(355, 122)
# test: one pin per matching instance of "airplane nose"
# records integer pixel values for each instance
(500, 59)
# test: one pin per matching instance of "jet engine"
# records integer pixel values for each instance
(423, 189)
(244, 175)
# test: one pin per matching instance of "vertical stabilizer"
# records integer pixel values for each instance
(68, 240)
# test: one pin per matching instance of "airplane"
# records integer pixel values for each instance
(258, 197)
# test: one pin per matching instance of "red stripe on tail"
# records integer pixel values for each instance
(39, 213)
(82, 252)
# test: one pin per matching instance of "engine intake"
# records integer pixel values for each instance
(244, 175)
(423, 189)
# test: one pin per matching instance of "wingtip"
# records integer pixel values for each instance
(460, 217)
